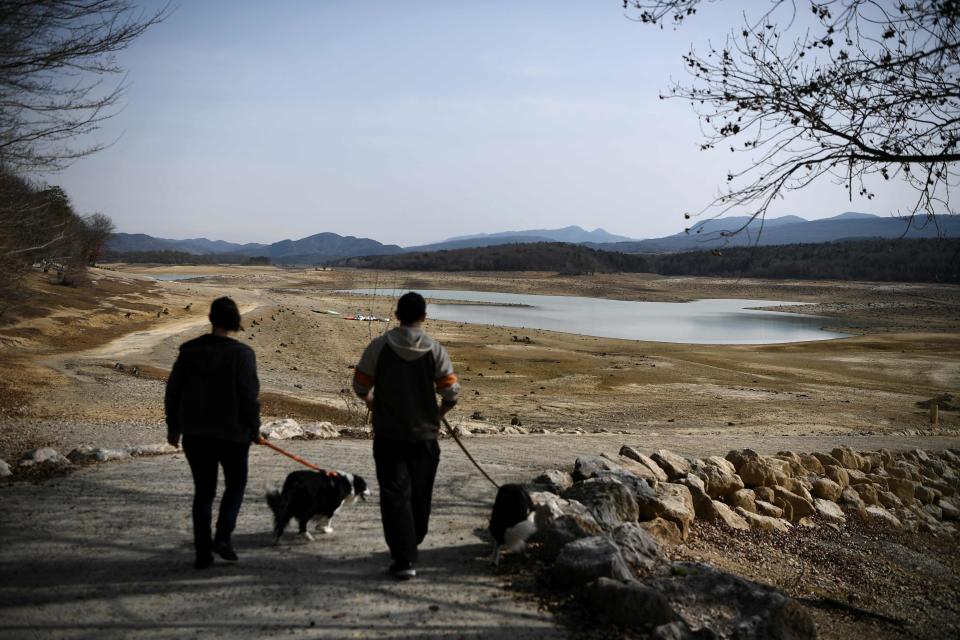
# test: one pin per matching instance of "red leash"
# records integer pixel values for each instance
(295, 458)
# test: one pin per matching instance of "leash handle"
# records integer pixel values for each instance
(270, 445)
(453, 434)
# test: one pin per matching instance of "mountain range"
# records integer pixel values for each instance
(707, 234)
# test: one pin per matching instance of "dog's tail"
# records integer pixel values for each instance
(273, 500)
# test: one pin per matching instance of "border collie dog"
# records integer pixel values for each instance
(511, 521)
(313, 494)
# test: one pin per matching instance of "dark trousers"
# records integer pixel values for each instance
(205, 455)
(405, 473)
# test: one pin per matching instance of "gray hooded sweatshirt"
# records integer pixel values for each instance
(407, 368)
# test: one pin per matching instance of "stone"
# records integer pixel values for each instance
(763, 493)
(934, 511)
(811, 464)
(663, 531)
(589, 466)
(850, 499)
(903, 488)
(924, 494)
(873, 458)
(849, 459)
(5, 469)
(284, 429)
(888, 499)
(702, 504)
(785, 507)
(745, 498)
(43, 455)
(727, 516)
(782, 466)
(672, 502)
(719, 482)
(768, 509)
(320, 431)
(640, 488)
(829, 511)
(143, 450)
(944, 488)
(799, 487)
(856, 476)
(800, 506)
(628, 604)
(948, 509)
(655, 470)
(757, 472)
(610, 502)
(636, 468)
(763, 523)
(722, 463)
(827, 460)
(584, 560)
(882, 515)
(673, 465)
(554, 481)
(561, 521)
(88, 454)
(838, 474)
(638, 548)
(868, 493)
(739, 457)
(826, 489)
(461, 431)
(734, 607)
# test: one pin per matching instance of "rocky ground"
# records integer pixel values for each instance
(530, 405)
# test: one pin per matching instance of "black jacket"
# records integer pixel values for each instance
(213, 389)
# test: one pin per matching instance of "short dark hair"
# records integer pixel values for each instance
(225, 314)
(411, 307)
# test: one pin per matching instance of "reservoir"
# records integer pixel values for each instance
(727, 321)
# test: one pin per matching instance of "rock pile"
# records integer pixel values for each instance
(290, 429)
(603, 525)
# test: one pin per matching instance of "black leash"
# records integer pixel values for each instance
(453, 434)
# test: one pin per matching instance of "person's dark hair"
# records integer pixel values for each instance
(225, 314)
(411, 307)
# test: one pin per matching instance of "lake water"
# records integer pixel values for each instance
(173, 277)
(697, 322)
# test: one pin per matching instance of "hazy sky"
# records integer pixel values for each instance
(410, 122)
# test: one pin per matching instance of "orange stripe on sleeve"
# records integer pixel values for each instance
(447, 381)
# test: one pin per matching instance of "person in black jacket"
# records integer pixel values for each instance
(211, 400)
(399, 377)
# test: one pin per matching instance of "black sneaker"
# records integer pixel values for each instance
(203, 561)
(402, 570)
(225, 551)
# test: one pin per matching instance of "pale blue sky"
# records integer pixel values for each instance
(409, 122)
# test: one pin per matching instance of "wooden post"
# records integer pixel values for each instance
(934, 412)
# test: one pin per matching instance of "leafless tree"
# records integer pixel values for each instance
(850, 90)
(55, 56)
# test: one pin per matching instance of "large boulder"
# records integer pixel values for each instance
(827, 460)
(948, 509)
(838, 474)
(561, 521)
(663, 531)
(673, 465)
(639, 549)
(734, 607)
(880, 514)
(764, 493)
(702, 503)
(146, 450)
(723, 463)
(87, 454)
(867, 492)
(728, 517)
(610, 502)
(284, 429)
(320, 431)
(829, 511)
(637, 468)
(903, 489)
(764, 523)
(889, 499)
(584, 560)
(635, 455)
(739, 457)
(800, 507)
(849, 459)
(826, 489)
(811, 464)
(720, 483)
(850, 499)
(43, 455)
(925, 494)
(745, 498)
(554, 481)
(672, 502)
(5, 469)
(758, 472)
(628, 604)
(589, 466)
(769, 509)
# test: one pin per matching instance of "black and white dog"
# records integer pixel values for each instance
(313, 494)
(511, 521)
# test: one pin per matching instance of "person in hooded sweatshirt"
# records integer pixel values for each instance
(212, 401)
(399, 377)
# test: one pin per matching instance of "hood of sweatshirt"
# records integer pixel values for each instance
(206, 353)
(409, 343)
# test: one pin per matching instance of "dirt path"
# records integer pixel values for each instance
(105, 552)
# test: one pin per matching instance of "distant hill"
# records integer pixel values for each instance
(780, 231)
(529, 256)
(572, 234)
(315, 249)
